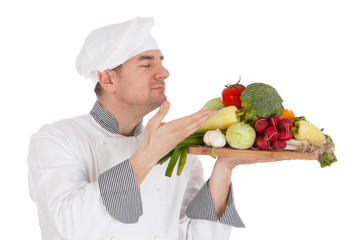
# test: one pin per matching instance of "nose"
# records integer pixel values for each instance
(162, 73)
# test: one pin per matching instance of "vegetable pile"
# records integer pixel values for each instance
(273, 132)
(253, 117)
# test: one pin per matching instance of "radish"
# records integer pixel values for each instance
(259, 133)
(286, 124)
(279, 144)
(285, 135)
(262, 143)
(274, 121)
(271, 133)
(260, 125)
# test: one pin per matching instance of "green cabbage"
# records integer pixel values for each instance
(240, 135)
(214, 104)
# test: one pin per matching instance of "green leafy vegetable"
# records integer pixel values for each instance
(328, 157)
(240, 135)
(213, 104)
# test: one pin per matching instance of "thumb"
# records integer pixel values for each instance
(160, 115)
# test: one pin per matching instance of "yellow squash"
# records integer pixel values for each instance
(306, 131)
(223, 119)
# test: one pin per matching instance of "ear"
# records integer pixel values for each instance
(105, 79)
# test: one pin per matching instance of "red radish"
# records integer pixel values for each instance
(271, 133)
(262, 143)
(260, 133)
(286, 124)
(285, 135)
(274, 121)
(261, 124)
(279, 144)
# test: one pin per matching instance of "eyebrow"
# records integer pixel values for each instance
(148, 57)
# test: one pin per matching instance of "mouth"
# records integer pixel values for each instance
(159, 87)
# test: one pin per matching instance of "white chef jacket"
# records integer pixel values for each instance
(65, 161)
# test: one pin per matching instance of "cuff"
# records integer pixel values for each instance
(202, 207)
(120, 194)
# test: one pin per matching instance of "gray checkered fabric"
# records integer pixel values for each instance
(108, 122)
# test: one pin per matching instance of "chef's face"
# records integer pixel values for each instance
(141, 80)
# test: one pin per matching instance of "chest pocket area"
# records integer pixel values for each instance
(112, 151)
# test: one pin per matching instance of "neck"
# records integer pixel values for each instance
(127, 116)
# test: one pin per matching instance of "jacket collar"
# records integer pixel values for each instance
(108, 122)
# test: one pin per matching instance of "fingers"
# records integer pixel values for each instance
(196, 120)
(185, 126)
(160, 115)
(199, 117)
(207, 112)
(178, 129)
(205, 115)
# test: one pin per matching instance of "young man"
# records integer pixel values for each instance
(96, 176)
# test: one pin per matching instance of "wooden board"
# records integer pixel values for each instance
(269, 154)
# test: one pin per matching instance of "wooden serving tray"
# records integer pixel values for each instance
(263, 154)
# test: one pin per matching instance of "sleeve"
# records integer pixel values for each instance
(120, 194)
(201, 225)
(68, 204)
(202, 207)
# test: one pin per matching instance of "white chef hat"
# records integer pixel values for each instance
(112, 45)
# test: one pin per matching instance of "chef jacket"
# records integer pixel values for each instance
(84, 187)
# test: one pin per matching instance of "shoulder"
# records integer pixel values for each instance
(64, 127)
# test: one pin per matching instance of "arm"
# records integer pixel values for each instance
(198, 218)
(220, 181)
(212, 213)
(68, 204)
(160, 138)
(215, 202)
(219, 186)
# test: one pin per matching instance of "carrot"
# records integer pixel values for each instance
(288, 114)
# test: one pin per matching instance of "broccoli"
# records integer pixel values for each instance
(260, 100)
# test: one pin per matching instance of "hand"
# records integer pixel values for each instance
(160, 138)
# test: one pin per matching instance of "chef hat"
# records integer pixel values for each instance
(112, 45)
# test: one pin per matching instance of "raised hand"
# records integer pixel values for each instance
(160, 138)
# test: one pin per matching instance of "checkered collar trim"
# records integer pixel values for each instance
(108, 122)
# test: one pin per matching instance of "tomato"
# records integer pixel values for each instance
(231, 94)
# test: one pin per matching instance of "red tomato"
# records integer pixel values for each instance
(231, 95)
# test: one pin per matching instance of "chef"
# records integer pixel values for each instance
(96, 176)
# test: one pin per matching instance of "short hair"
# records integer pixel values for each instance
(98, 89)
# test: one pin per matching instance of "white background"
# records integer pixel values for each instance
(310, 51)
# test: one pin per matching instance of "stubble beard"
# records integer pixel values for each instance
(154, 103)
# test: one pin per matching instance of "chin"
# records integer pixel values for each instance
(156, 103)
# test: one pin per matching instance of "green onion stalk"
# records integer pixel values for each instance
(179, 153)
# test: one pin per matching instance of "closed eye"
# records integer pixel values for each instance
(146, 65)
